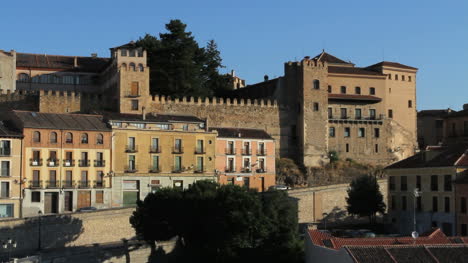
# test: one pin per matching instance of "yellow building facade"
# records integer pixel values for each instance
(157, 151)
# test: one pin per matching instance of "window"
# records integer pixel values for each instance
(396, 76)
(389, 76)
(23, 77)
(36, 136)
(53, 178)
(454, 129)
(403, 203)
(409, 78)
(246, 165)
(84, 179)
(68, 179)
(261, 148)
(372, 91)
(358, 114)
(463, 205)
(465, 128)
(410, 104)
(344, 113)
(246, 182)
(124, 66)
(68, 137)
(230, 181)
(140, 52)
(347, 147)
(53, 137)
(402, 77)
(330, 113)
(419, 203)
(404, 183)
(131, 147)
(361, 132)
(134, 104)
(99, 138)
(35, 197)
(316, 106)
(132, 52)
(447, 183)
(132, 67)
(357, 90)
(316, 84)
(155, 166)
(5, 190)
(391, 183)
(329, 89)
(123, 52)
(5, 148)
(155, 145)
(435, 205)
(141, 68)
(376, 148)
(178, 163)
(230, 148)
(131, 163)
(390, 114)
(84, 138)
(347, 132)
(199, 167)
(178, 145)
(343, 89)
(447, 204)
(463, 230)
(331, 131)
(5, 168)
(6, 210)
(372, 114)
(230, 165)
(418, 183)
(393, 201)
(434, 183)
(99, 197)
(36, 178)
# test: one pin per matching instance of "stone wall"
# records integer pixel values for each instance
(313, 202)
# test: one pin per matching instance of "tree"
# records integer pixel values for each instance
(287, 172)
(364, 197)
(179, 66)
(221, 223)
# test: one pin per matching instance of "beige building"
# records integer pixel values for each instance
(154, 151)
(432, 172)
(66, 161)
(10, 172)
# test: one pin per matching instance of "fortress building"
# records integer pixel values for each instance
(320, 105)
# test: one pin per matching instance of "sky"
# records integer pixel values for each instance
(257, 37)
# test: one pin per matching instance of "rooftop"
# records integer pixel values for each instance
(241, 133)
(353, 97)
(149, 117)
(59, 121)
(325, 57)
(64, 63)
(353, 71)
(391, 64)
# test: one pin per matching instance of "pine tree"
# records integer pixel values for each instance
(364, 197)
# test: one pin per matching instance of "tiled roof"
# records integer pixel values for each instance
(57, 121)
(353, 71)
(436, 113)
(84, 64)
(447, 254)
(7, 131)
(353, 97)
(259, 90)
(131, 44)
(449, 156)
(241, 133)
(324, 56)
(462, 113)
(160, 118)
(391, 64)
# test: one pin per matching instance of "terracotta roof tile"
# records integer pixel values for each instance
(60, 121)
(84, 64)
(391, 64)
(241, 133)
(324, 56)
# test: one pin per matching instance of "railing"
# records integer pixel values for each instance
(246, 151)
(99, 184)
(246, 170)
(131, 148)
(261, 170)
(261, 152)
(52, 162)
(155, 149)
(35, 162)
(5, 151)
(83, 184)
(153, 169)
(35, 184)
(199, 170)
(99, 163)
(130, 169)
(176, 169)
(68, 184)
(53, 184)
(68, 163)
(230, 170)
(199, 150)
(231, 151)
(83, 163)
(178, 150)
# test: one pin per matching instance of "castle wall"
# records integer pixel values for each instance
(7, 70)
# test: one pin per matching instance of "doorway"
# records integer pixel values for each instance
(51, 203)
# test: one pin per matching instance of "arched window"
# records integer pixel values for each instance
(36, 136)
(316, 84)
(84, 138)
(53, 137)
(23, 77)
(141, 68)
(124, 66)
(132, 52)
(132, 67)
(99, 138)
(68, 137)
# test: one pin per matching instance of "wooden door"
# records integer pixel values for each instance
(68, 201)
(50, 203)
(84, 199)
(134, 89)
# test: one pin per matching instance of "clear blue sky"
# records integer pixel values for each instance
(256, 37)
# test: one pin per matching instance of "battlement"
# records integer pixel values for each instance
(306, 62)
(161, 99)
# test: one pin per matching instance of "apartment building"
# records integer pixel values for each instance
(151, 151)
(66, 161)
(245, 157)
(423, 186)
(10, 172)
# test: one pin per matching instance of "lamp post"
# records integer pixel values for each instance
(324, 215)
(416, 194)
(9, 244)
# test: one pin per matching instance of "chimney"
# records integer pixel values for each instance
(94, 55)
(143, 112)
(75, 62)
(265, 78)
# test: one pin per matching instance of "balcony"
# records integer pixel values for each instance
(130, 169)
(35, 184)
(68, 184)
(52, 184)
(199, 170)
(230, 170)
(99, 163)
(230, 151)
(200, 150)
(5, 152)
(246, 151)
(155, 149)
(246, 170)
(98, 184)
(83, 163)
(83, 184)
(68, 163)
(261, 152)
(154, 169)
(260, 171)
(35, 162)
(177, 150)
(52, 162)
(131, 148)
(177, 169)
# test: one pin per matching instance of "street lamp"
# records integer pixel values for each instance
(416, 194)
(9, 244)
